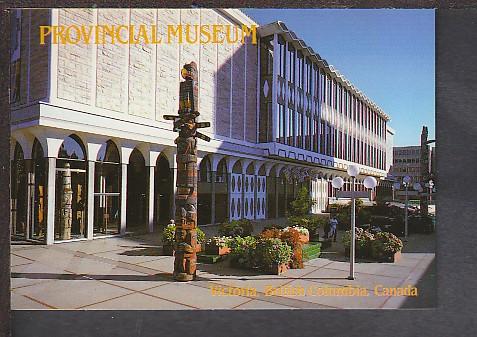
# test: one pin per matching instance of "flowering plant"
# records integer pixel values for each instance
(301, 230)
(168, 233)
(386, 244)
(271, 252)
(242, 250)
(219, 241)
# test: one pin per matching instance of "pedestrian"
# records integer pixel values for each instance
(333, 225)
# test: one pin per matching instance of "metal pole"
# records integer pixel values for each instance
(353, 234)
(405, 214)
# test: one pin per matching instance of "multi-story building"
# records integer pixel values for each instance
(407, 162)
(88, 128)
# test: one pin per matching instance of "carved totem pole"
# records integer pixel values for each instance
(66, 211)
(186, 194)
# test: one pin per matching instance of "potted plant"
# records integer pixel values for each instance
(217, 245)
(242, 251)
(363, 241)
(293, 238)
(386, 247)
(168, 235)
(200, 240)
(273, 255)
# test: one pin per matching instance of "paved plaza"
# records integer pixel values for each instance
(131, 273)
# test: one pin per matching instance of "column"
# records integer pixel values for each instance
(90, 201)
(212, 198)
(124, 182)
(277, 183)
(174, 190)
(150, 198)
(29, 166)
(50, 203)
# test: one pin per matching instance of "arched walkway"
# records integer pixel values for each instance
(70, 194)
(163, 191)
(204, 192)
(137, 182)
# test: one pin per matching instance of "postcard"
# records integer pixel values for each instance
(238, 159)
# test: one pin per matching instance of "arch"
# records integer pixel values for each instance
(237, 168)
(107, 190)
(37, 151)
(72, 148)
(205, 170)
(137, 182)
(250, 168)
(108, 153)
(163, 190)
(262, 171)
(18, 192)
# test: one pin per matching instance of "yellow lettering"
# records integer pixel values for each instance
(44, 32)
(188, 33)
(216, 29)
(205, 32)
(143, 34)
(227, 34)
(155, 38)
(171, 31)
(247, 32)
(118, 34)
(86, 34)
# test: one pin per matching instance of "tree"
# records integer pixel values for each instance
(302, 204)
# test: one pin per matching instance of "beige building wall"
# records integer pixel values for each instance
(131, 81)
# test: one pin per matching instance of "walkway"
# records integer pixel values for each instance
(130, 273)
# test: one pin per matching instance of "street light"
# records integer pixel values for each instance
(406, 181)
(337, 182)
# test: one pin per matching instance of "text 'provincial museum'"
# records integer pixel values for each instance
(88, 127)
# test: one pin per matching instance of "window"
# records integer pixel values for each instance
(291, 60)
(301, 70)
(281, 56)
(291, 127)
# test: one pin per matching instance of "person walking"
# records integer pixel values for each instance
(333, 226)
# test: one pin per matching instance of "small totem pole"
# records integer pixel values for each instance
(66, 211)
(186, 196)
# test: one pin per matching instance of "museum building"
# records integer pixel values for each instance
(88, 129)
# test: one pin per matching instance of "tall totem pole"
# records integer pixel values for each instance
(186, 195)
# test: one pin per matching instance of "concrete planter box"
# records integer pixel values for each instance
(279, 269)
(216, 250)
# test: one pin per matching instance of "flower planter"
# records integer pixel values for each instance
(168, 249)
(278, 269)
(360, 253)
(390, 257)
(304, 238)
(216, 250)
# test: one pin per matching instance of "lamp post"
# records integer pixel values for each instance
(337, 182)
(405, 181)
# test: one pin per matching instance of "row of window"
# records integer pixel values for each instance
(300, 71)
(409, 160)
(299, 130)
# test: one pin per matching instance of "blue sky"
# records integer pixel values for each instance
(388, 54)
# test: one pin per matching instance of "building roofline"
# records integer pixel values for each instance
(278, 27)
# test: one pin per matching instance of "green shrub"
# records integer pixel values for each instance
(272, 251)
(310, 222)
(385, 244)
(168, 233)
(200, 236)
(219, 241)
(242, 227)
(302, 204)
(364, 241)
(242, 250)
